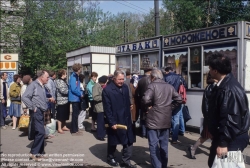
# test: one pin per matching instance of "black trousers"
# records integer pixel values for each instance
(101, 130)
(76, 107)
(126, 152)
(38, 144)
(240, 143)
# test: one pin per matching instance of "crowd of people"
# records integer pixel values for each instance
(123, 98)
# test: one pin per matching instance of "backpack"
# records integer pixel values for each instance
(182, 92)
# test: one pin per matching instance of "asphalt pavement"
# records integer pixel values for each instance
(65, 150)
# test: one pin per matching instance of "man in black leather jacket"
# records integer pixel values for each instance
(228, 119)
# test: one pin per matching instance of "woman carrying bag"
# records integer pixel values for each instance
(15, 97)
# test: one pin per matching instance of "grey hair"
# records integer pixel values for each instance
(41, 73)
(118, 72)
(157, 74)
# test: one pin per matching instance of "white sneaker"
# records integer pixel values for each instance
(4, 127)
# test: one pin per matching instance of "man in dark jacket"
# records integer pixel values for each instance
(228, 119)
(161, 97)
(116, 105)
(142, 87)
(178, 126)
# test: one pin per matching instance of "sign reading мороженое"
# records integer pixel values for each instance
(205, 35)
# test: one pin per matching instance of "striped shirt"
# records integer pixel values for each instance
(35, 96)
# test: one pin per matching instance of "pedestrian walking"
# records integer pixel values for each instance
(4, 96)
(228, 110)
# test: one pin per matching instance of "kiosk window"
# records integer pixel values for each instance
(178, 61)
(135, 64)
(195, 68)
(228, 49)
(123, 63)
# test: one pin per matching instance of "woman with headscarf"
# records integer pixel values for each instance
(15, 97)
(134, 111)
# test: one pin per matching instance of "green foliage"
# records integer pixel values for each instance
(49, 29)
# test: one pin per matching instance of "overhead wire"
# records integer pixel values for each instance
(137, 6)
(130, 6)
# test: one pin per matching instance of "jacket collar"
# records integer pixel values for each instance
(114, 87)
(158, 81)
(225, 80)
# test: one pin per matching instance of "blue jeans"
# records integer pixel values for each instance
(158, 147)
(177, 124)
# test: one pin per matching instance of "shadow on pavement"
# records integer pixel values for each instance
(140, 154)
(185, 143)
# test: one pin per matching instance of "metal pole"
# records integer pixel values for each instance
(124, 36)
(157, 18)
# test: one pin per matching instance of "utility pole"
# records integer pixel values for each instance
(124, 33)
(208, 13)
(157, 18)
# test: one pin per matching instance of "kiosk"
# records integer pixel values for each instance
(93, 58)
(188, 54)
(138, 56)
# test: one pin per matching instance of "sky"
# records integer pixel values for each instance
(115, 6)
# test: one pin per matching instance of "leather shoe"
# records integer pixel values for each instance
(127, 165)
(190, 153)
(101, 139)
(112, 162)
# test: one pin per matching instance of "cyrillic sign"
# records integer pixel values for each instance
(144, 45)
(205, 35)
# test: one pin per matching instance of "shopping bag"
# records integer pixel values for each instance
(24, 121)
(31, 129)
(51, 127)
(81, 118)
(186, 115)
(234, 159)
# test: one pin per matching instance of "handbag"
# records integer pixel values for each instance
(186, 115)
(234, 159)
(18, 98)
(24, 121)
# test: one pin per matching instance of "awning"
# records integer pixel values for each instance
(178, 54)
(220, 49)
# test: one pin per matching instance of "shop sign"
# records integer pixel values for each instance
(144, 45)
(205, 35)
(248, 30)
(8, 65)
(9, 57)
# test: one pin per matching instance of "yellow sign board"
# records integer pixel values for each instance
(8, 65)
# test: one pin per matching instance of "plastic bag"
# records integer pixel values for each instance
(51, 127)
(24, 121)
(81, 118)
(234, 159)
